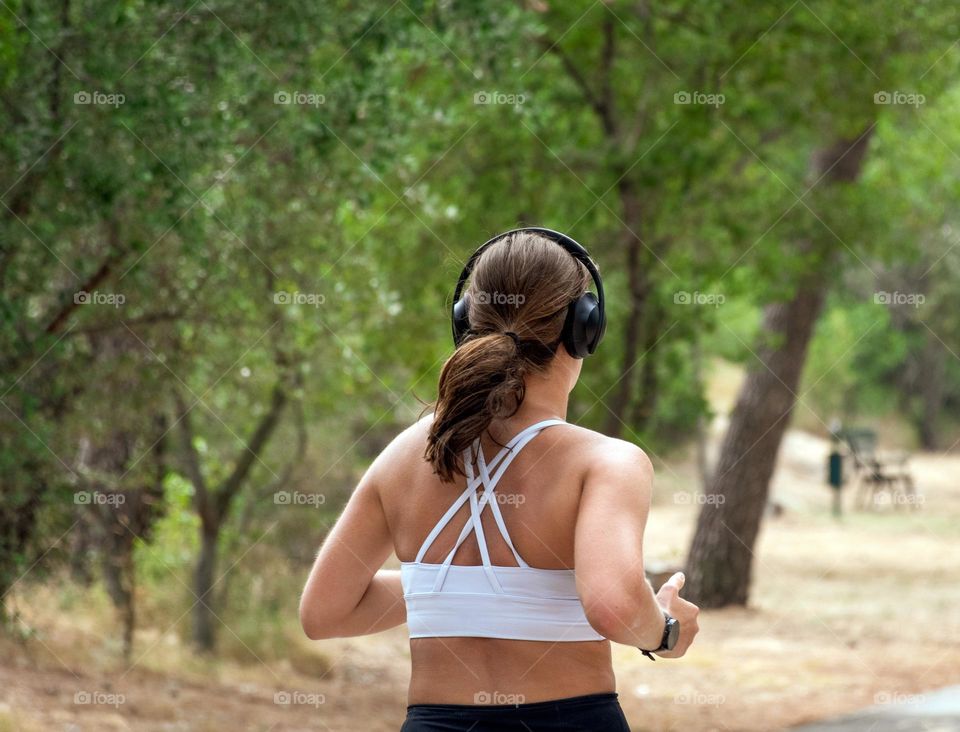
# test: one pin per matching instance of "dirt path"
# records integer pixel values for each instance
(937, 711)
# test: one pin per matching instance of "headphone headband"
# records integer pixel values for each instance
(576, 250)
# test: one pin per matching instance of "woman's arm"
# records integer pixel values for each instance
(347, 593)
(617, 597)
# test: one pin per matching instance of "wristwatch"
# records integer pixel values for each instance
(671, 632)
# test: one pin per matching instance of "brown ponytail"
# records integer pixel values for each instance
(518, 294)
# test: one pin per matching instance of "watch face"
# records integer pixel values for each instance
(673, 633)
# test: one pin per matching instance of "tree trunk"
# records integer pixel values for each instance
(703, 422)
(81, 545)
(18, 516)
(636, 326)
(204, 629)
(720, 561)
(633, 331)
(934, 364)
(719, 565)
(213, 505)
(119, 575)
(646, 401)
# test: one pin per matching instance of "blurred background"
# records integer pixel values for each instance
(229, 235)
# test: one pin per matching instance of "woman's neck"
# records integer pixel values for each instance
(544, 398)
(542, 406)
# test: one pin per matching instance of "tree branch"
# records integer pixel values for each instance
(268, 423)
(596, 102)
(201, 496)
(69, 300)
(164, 316)
(606, 65)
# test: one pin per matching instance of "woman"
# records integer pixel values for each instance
(520, 535)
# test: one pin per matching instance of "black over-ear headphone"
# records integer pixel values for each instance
(586, 316)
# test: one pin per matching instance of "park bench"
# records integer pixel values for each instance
(878, 478)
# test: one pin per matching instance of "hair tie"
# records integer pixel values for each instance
(516, 338)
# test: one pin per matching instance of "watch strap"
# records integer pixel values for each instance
(663, 640)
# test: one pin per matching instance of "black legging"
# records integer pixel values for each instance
(590, 713)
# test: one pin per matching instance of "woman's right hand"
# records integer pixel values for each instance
(668, 597)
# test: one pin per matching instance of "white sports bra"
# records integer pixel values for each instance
(487, 600)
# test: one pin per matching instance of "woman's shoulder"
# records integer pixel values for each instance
(414, 435)
(599, 452)
(604, 453)
(605, 444)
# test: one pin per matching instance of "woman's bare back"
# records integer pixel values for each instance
(539, 497)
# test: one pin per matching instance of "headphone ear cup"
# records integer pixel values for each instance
(602, 329)
(461, 319)
(583, 328)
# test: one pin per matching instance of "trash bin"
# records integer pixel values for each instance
(835, 478)
(835, 470)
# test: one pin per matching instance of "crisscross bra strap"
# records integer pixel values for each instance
(474, 523)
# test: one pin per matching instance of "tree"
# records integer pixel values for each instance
(719, 564)
(721, 556)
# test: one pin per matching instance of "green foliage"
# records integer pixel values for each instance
(314, 244)
(173, 545)
(854, 350)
